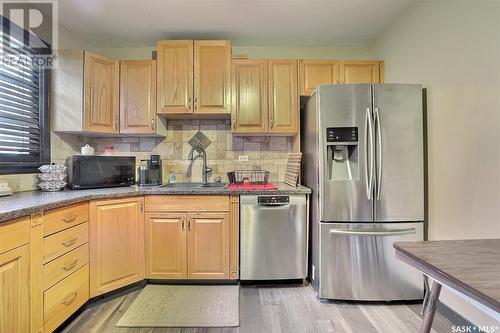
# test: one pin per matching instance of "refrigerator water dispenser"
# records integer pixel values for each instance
(342, 153)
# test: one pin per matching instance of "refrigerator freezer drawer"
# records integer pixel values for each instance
(358, 262)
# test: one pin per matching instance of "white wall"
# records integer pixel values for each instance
(453, 48)
(353, 53)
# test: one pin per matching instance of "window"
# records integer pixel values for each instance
(24, 109)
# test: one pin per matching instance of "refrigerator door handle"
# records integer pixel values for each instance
(395, 232)
(379, 153)
(369, 169)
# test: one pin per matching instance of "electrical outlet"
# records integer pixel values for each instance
(242, 158)
(313, 272)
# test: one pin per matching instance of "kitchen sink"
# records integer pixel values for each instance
(195, 185)
(215, 185)
(182, 185)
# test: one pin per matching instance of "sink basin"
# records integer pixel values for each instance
(195, 185)
(216, 185)
(183, 185)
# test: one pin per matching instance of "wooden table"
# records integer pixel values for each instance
(470, 267)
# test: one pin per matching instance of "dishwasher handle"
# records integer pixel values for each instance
(273, 205)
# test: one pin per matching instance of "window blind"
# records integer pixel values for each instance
(23, 130)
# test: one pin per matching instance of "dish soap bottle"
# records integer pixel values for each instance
(172, 178)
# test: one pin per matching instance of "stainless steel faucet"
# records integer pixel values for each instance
(205, 171)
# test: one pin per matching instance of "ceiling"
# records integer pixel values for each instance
(123, 23)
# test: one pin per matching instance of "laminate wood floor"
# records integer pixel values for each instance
(275, 310)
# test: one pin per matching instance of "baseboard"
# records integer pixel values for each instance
(452, 316)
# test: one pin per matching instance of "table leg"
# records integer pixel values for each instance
(430, 308)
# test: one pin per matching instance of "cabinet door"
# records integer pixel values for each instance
(116, 244)
(249, 96)
(166, 249)
(208, 247)
(14, 290)
(211, 76)
(316, 72)
(283, 96)
(360, 72)
(101, 85)
(138, 96)
(174, 76)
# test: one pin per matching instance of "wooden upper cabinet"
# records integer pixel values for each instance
(166, 248)
(208, 245)
(117, 244)
(249, 96)
(175, 76)
(360, 71)
(138, 96)
(283, 96)
(101, 93)
(14, 292)
(316, 72)
(211, 76)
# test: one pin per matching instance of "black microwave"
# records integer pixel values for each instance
(100, 171)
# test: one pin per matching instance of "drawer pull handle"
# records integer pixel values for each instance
(69, 219)
(68, 300)
(70, 266)
(70, 242)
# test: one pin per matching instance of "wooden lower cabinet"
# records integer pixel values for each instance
(63, 299)
(116, 244)
(191, 237)
(187, 245)
(208, 245)
(166, 255)
(14, 290)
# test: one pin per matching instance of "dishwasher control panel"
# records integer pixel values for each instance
(275, 199)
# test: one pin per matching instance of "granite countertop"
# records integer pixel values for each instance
(25, 203)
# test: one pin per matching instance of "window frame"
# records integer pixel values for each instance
(9, 163)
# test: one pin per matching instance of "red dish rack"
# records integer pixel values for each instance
(250, 180)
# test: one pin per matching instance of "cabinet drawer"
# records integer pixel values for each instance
(187, 203)
(64, 241)
(14, 233)
(58, 269)
(63, 218)
(63, 299)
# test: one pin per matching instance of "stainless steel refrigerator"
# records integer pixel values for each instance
(363, 158)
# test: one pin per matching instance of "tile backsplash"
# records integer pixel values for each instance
(264, 152)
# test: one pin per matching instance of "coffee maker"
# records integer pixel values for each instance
(150, 171)
(154, 166)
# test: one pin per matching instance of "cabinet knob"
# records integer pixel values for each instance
(152, 124)
(196, 103)
(189, 103)
(116, 123)
(234, 123)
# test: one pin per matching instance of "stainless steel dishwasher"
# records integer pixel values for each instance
(273, 237)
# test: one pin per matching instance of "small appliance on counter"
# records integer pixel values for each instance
(86, 172)
(250, 180)
(150, 171)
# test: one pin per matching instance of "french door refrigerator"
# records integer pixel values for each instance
(363, 148)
